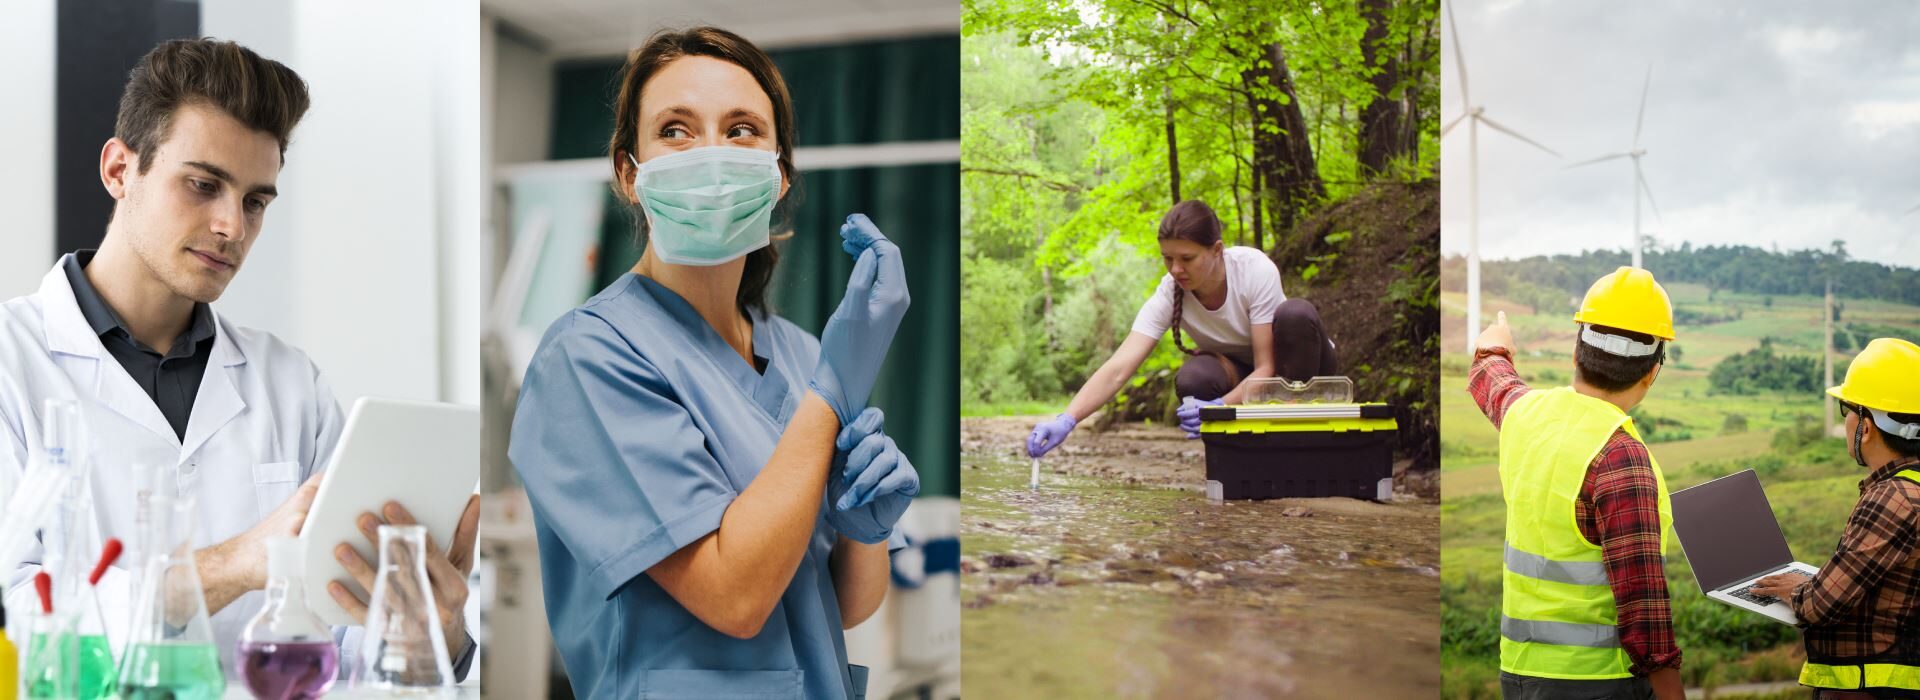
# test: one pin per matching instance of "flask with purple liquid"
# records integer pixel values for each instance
(286, 652)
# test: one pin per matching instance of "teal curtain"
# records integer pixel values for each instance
(866, 93)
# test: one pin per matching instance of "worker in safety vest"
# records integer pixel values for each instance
(1584, 611)
(1860, 616)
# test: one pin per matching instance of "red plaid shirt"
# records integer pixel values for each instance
(1619, 507)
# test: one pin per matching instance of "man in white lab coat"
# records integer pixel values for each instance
(246, 421)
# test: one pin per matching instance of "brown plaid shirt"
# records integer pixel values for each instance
(1870, 589)
(1619, 507)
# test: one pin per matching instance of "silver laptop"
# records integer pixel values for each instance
(1727, 529)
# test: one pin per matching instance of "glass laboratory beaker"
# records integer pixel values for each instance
(171, 654)
(286, 652)
(404, 651)
(50, 669)
(87, 650)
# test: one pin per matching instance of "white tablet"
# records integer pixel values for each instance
(426, 456)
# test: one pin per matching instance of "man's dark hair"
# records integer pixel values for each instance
(258, 92)
(1610, 372)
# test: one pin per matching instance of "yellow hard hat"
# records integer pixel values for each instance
(1628, 299)
(1884, 376)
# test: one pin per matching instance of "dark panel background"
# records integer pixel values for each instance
(96, 43)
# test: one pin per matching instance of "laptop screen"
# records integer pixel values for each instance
(1728, 530)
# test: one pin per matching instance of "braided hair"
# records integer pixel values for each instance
(1192, 221)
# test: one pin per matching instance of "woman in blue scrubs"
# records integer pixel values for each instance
(713, 498)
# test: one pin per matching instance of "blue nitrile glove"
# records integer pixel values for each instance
(1189, 414)
(1049, 434)
(871, 483)
(856, 337)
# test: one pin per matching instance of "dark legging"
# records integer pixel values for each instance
(1300, 346)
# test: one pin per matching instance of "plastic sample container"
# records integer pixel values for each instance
(1299, 451)
(1276, 390)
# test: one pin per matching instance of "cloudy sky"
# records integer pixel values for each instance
(1767, 123)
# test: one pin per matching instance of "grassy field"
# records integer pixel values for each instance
(1697, 436)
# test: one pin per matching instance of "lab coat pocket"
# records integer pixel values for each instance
(688, 684)
(273, 483)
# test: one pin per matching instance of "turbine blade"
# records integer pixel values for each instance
(1502, 129)
(1601, 159)
(1455, 122)
(1459, 59)
(1642, 118)
(1641, 177)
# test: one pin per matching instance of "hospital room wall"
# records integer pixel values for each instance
(371, 261)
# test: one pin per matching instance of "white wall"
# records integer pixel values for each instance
(369, 260)
(26, 145)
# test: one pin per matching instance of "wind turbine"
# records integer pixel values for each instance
(1639, 178)
(1474, 116)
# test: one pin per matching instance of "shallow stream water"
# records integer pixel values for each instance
(1094, 588)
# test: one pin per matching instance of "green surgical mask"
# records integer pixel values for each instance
(710, 205)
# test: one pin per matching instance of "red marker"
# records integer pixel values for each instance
(44, 584)
(108, 555)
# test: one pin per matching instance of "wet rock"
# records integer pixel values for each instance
(1297, 512)
(1007, 561)
(1178, 559)
(1040, 578)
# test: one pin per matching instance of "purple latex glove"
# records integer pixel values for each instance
(1189, 414)
(1049, 434)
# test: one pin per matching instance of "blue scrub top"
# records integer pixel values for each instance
(637, 426)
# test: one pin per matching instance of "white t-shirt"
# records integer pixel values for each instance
(1253, 292)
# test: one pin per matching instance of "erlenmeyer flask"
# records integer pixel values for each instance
(404, 651)
(286, 652)
(171, 653)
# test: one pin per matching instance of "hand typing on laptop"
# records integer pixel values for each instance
(1779, 585)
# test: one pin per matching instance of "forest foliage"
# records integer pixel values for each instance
(1084, 122)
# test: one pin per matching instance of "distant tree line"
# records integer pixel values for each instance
(1736, 268)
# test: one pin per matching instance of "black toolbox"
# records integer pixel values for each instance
(1299, 450)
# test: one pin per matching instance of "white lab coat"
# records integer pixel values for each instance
(263, 421)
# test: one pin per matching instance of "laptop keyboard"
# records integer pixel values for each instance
(1748, 595)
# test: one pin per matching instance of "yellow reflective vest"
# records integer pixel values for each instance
(1557, 616)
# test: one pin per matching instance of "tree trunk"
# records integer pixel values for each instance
(1381, 133)
(1283, 164)
(1173, 144)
